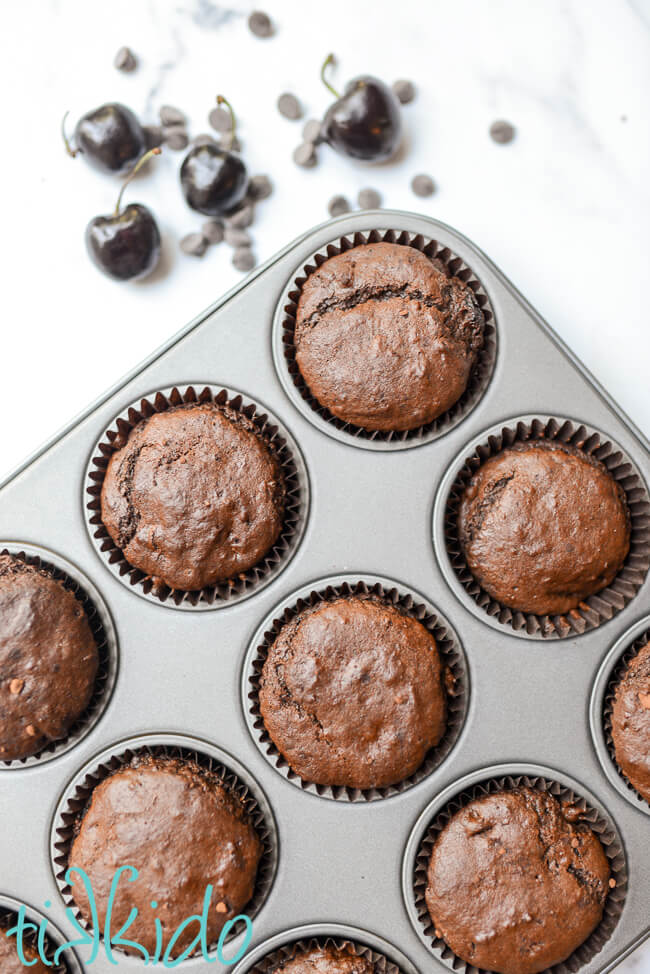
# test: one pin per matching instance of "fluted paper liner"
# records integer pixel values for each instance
(106, 669)
(69, 819)
(454, 675)
(9, 916)
(603, 827)
(296, 497)
(608, 704)
(271, 961)
(481, 372)
(598, 608)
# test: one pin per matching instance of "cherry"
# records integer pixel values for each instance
(365, 122)
(214, 180)
(126, 244)
(110, 138)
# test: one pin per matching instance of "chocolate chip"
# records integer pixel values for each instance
(260, 24)
(220, 120)
(260, 187)
(289, 106)
(237, 238)
(241, 219)
(212, 231)
(404, 91)
(125, 60)
(338, 205)
(153, 135)
(176, 138)
(194, 244)
(305, 155)
(369, 199)
(171, 116)
(502, 132)
(312, 131)
(423, 185)
(204, 139)
(243, 259)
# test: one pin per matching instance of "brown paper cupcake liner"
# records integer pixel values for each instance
(601, 825)
(455, 675)
(106, 641)
(608, 704)
(68, 963)
(72, 811)
(598, 608)
(396, 439)
(273, 960)
(296, 502)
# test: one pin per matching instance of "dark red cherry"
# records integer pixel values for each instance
(126, 244)
(110, 138)
(365, 122)
(214, 180)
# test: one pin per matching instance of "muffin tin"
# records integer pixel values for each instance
(344, 868)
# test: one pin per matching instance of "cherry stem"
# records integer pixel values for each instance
(68, 148)
(330, 59)
(139, 164)
(233, 121)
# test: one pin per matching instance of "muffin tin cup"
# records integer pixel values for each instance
(300, 394)
(74, 802)
(68, 961)
(267, 956)
(103, 630)
(485, 782)
(601, 705)
(593, 611)
(362, 585)
(243, 585)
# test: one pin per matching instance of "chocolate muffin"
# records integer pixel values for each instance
(543, 526)
(326, 960)
(194, 497)
(516, 882)
(10, 962)
(385, 337)
(182, 829)
(48, 659)
(352, 694)
(631, 722)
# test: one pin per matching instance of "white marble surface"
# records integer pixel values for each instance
(563, 210)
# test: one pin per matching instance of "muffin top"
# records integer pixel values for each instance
(10, 962)
(385, 337)
(543, 526)
(352, 693)
(326, 960)
(516, 882)
(181, 829)
(48, 659)
(194, 497)
(631, 722)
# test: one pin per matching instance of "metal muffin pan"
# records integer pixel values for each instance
(370, 514)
